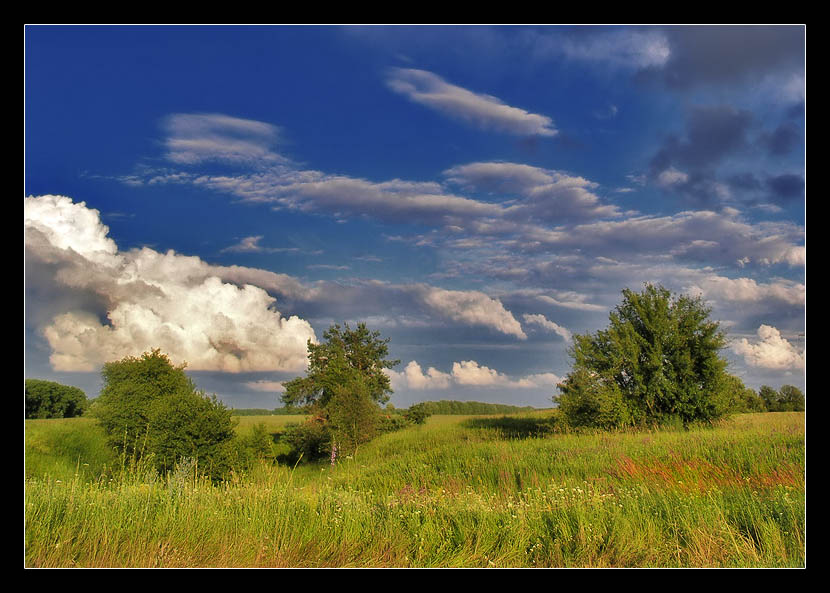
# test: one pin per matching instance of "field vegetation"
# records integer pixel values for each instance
(504, 491)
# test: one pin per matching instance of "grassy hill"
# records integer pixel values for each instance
(456, 492)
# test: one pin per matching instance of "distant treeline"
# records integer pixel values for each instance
(285, 411)
(439, 408)
(452, 407)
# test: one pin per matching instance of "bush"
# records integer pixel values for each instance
(417, 414)
(191, 425)
(148, 406)
(47, 399)
(310, 440)
(590, 400)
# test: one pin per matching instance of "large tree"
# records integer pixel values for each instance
(658, 360)
(345, 356)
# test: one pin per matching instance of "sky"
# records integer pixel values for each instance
(478, 195)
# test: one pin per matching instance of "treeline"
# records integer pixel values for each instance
(744, 399)
(283, 411)
(47, 399)
(469, 408)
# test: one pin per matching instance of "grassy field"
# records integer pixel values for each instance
(457, 492)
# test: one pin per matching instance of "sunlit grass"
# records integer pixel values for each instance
(455, 493)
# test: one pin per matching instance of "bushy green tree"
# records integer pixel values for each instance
(353, 415)
(657, 362)
(189, 424)
(343, 354)
(148, 406)
(345, 386)
(791, 399)
(48, 399)
(417, 413)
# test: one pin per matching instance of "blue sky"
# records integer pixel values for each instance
(476, 194)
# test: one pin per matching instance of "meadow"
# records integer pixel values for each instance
(494, 491)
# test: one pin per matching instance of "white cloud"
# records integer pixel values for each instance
(152, 300)
(772, 351)
(483, 111)
(748, 290)
(622, 48)
(671, 177)
(196, 138)
(548, 195)
(702, 235)
(266, 386)
(542, 321)
(466, 373)
(470, 307)
(432, 379)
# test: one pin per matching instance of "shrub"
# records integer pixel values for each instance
(148, 406)
(417, 414)
(310, 440)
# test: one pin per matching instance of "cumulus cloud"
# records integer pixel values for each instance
(544, 322)
(466, 373)
(415, 378)
(771, 351)
(152, 300)
(483, 111)
(748, 290)
(470, 307)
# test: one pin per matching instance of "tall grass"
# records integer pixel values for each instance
(454, 493)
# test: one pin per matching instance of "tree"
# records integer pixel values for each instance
(149, 406)
(770, 397)
(353, 415)
(48, 399)
(788, 399)
(344, 387)
(658, 361)
(791, 399)
(417, 413)
(743, 399)
(346, 356)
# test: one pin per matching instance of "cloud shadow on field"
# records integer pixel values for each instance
(511, 427)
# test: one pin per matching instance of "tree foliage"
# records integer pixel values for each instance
(353, 415)
(787, 399)
(344, 387)
(149, 406)
(48, 399)
(742, 398)
(658, 361)
(346, 356)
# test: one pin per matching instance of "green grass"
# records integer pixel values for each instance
(457, 492)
